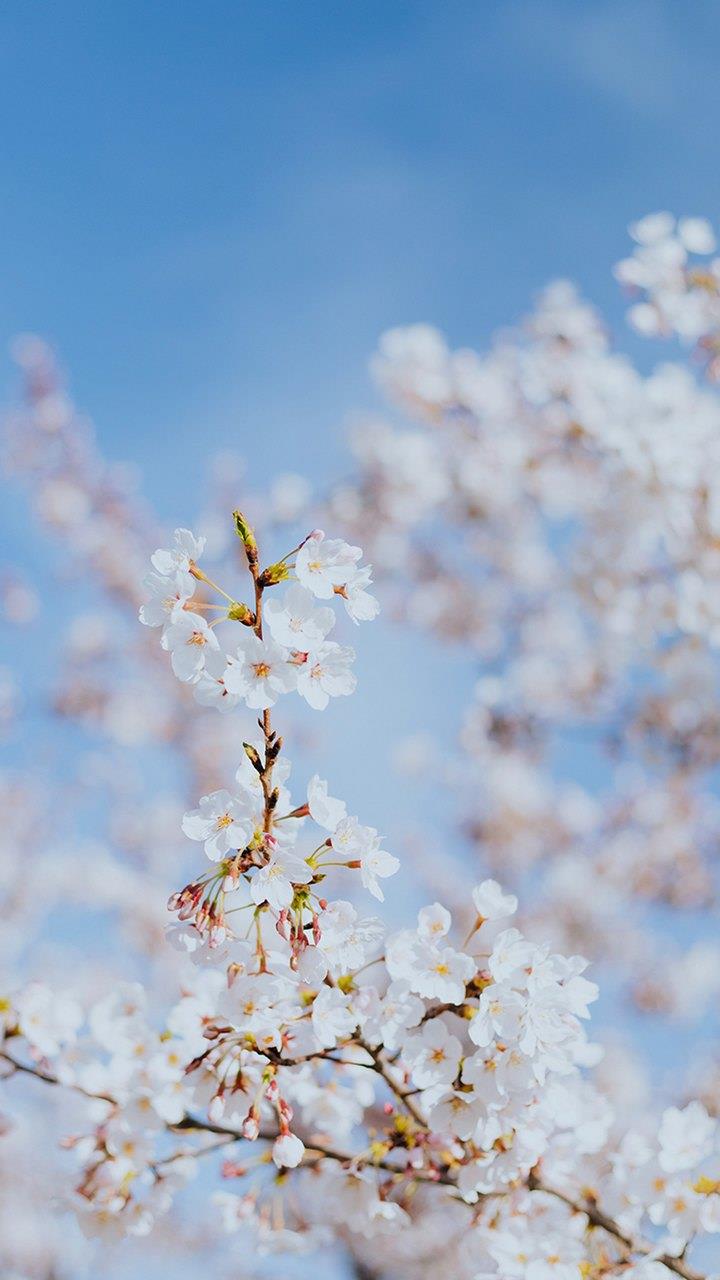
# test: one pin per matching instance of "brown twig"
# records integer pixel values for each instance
(318, 1151)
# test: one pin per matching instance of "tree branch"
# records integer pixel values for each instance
(316, 1151)
(595, 1215)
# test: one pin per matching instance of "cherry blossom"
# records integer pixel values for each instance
(326, 674)
(275, 881)
(288, 1151)
(433, 1055)
(168, 592)
(186, 549)
(221, 821)
(324, 809)
(46, 1019)
(296, 622)
(322, 565)
(259, 672)
(360, 604)
(189, 639)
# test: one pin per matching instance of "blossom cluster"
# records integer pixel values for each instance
(296, 655)
(475, 1030)
(134, 1079)
(460, 1063)
(680, 289)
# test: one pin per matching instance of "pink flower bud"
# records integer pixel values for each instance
(250, 1125)
(288, 1151)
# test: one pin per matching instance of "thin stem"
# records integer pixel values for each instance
(315, 1151)
(202, 577)
(404, 1095)
(24, 1068)
(271, 747)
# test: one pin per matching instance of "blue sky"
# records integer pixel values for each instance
(214, 208)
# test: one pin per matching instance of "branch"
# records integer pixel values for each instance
(595, 1215)
(47, 1077)
(404, 1095)
(316, 1151)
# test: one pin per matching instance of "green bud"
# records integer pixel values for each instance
(273, 574)
(245, 533)
(239, 612)
(253, 756)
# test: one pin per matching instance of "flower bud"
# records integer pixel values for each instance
(288, 1151)
(246, 535)
(239, 612)
(253, 756)
(251, 1125)
(273, 574)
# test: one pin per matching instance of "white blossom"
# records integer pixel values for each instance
(259, 672)
(326, 674)
(297, 623)
(221, 821)
(167, 593)
(287, 1151)
(322, 564)
(186, 549)
(324, 809)
(332, 1016)
(274, 881)
(189, 639)
(47, 1019)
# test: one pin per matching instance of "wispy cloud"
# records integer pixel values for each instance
(641, 55)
